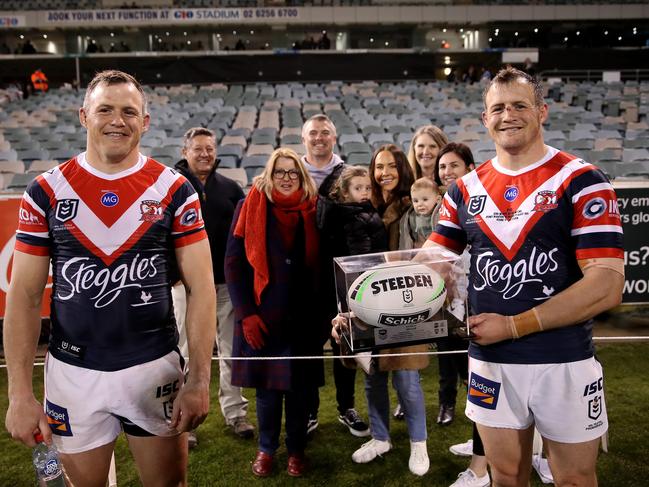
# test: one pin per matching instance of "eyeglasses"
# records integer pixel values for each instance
(282, 173)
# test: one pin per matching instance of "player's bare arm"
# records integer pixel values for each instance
(583, 300)
(192, 404)
(22, 326)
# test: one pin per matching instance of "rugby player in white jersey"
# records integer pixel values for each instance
(118, 227)
(546, 257)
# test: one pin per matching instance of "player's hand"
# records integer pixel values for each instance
(190, 406)
(338, 324)
(489, 328)
(25, 418)
(253, 331)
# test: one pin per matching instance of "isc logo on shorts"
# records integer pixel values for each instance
(483, 392)
(58, 419)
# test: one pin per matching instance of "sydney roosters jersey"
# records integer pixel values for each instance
(526, 230)
(111, 240)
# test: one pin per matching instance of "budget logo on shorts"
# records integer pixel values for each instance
(595, 407)
(58, 419)
(483, 392)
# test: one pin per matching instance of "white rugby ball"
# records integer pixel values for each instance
(398, 294)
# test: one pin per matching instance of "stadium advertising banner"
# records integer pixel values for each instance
(8, 21)
(124, 18)
(633, 202)
(9, 206)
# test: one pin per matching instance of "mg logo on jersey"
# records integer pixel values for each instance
(66, 209)
(109, 199)
(476, 204)
(511, 193)
(151, 211)
(595, 407)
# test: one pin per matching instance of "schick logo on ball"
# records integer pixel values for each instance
(397, 320)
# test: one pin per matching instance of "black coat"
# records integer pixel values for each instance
(356, 229)
(290, 308)
(219, 198)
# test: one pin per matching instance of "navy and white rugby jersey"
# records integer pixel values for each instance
(526, 230)
(111, 239)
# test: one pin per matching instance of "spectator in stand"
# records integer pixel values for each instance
(40, 81)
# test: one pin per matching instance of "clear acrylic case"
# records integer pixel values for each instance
(393, 328)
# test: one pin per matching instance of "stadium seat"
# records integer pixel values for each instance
(237, 174)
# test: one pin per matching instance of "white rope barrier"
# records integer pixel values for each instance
(611, 339)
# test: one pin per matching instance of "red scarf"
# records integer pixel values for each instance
(251, 226)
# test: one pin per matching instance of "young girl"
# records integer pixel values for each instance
(360, 229)
(391, 178)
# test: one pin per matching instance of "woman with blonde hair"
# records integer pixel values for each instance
(271, 267)
(422, 153)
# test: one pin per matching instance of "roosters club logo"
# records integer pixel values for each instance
(151, 211)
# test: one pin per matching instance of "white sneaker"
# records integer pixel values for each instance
(418, 463)
(542, 468)
(370, 450)
(462, 449)
(469, 479)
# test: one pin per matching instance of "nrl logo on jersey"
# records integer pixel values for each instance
(151, 211)
(66, 209)
(476, 205)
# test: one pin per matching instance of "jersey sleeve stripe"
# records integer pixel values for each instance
(31, 248)
(596, 229)
(449, 224)
(591, 189)
(599, 253)
(28, 199)
(190, 199)
(190, 238)
(44, 235)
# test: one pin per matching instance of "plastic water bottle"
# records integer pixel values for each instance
(47, 464)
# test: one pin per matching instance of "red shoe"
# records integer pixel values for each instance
(262, 466)
(296, 465)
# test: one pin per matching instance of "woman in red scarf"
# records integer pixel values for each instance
(271, 271)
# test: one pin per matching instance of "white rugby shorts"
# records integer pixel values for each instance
(565, 401)
(89, 408)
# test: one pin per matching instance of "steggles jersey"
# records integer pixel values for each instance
(111, 239)
(526, 230)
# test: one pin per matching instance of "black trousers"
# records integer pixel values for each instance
(451, 368)
(345, 382)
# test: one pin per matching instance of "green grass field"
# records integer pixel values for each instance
(221, 459)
